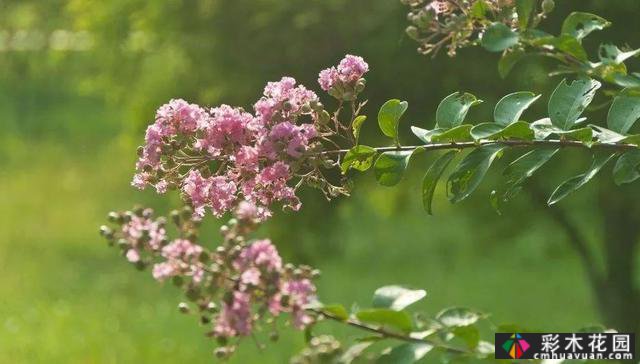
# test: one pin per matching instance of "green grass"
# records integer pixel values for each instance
(65, 297)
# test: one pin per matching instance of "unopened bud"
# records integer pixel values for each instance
(183, 307)
(106, 232)
(548, 5)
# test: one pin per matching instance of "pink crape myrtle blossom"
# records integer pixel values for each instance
(301, 292)
(235, 317)
(226, 130)
(345, 76)
(181, 258)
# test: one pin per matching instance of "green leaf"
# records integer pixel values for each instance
(518, 172)
(579, 24)
(453, 109)
(356, 125)
(499, 37)
(405, 354)
(469, 334)
(627, 168)
(336, 310)
(571, 45)
(396, 298)
(543, 128)
(605, 135)
(485, 130)
(470, 172)
(509, 109)
(479, 9)
(494, 131)
(389, 117)
(359, 157)
(624, 111)
(524, 8)
(568, 101)
(460, 133)
(508, 61)
(354, 352)
(626, 80)
(390, 166)
(609, 53)
(399, 320)
(432, 176)
(458, 317)
(574, 183)
(424, 134)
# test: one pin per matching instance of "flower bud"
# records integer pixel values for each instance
(183, 307)
(548, 5)
(324, 117)
(412, 32)
(106, 231)
(140, 151)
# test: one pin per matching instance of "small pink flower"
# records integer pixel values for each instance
(235, 317)
(327, 78)
(222, 194)
(133, 256)
(352, 68)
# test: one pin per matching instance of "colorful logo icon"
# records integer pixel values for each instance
(515, 346)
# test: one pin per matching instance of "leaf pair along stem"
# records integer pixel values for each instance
(552, 143)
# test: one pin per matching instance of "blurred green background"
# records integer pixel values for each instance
(79, 81)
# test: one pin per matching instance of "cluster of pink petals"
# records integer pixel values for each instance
(176, 117)
(254, 154)
(181, 259)
(142, 233)
(259, 266)
(300, 293)
(438, 6)
(350, 70)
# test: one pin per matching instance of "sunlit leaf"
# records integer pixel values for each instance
(453, 109)
(432, 177)
(572, 184)
(470, 172)
(460, 133)
(609, 53)
(568, 101)
(426, 135)
(398, 320)
(509, 109)
(357, 125)
(405, 353)
(354, 352)
(458, 317)
(389, 117)
(338, 311)
(359, 157)
(396, 297)
(579, 24)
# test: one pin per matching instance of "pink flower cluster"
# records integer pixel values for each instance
(222, 156)
(261, 279)
(181, 259)
(253, 154)
(350, 70)
(140, 232)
